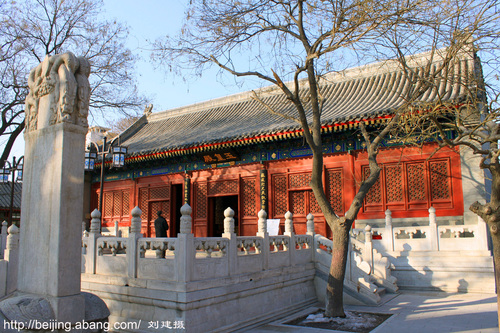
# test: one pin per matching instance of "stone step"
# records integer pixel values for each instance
(444, 262)
(451, 273)
(462, 254)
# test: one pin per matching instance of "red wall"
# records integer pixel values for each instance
(410, 182)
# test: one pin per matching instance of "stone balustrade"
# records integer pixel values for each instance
(10, 260)
(3, 237)
(431, 237)
(191, 279)
(203, 258)
(366, 270)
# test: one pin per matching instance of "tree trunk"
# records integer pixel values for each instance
(335, 288)
(495, 238)
(490, 213)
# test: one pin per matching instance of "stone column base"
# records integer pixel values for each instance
(35, 313)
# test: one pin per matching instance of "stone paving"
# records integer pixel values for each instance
(418, 312)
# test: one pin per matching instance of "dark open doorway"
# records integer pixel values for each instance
(176, 209)
(217, 206)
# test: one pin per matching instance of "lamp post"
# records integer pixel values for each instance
(118, 161)
(10, 169)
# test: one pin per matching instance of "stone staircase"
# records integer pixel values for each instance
(449, 271)
(374, 275)
(368, 279)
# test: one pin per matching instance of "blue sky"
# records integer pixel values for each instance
(147, 21)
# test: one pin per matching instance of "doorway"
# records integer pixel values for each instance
(216, 208)
(154, 207)
(177, 195)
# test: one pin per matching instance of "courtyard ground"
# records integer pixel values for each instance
(414, 312)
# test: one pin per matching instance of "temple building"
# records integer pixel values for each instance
(232, 152)
(6, 195)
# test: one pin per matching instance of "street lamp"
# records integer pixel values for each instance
(11, 170)
(118, 161)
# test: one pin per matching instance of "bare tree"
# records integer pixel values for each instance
(463, 39)
(299, 41)
(33, 29)
(122, 124)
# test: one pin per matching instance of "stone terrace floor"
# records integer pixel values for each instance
(417, 312)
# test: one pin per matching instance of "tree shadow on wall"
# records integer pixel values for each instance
(412, 278)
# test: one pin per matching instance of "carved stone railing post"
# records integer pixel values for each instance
(433, 237)
(228, 222)
(95, 222)
(3, 244)
(186, 220)
(118, 232)
(262, 232)
(389, 233)
(310, 224)
(288, 224)
(229, 234)
(12, 256)
(310, 232)
(133, 236)
(289, 232)
(84, 226)
(185, 251)
(368, 255)
(94, 234)
(262, 223)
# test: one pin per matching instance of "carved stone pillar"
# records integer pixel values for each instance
(53, 187)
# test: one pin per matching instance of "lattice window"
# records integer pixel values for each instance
(298, 203)
(155, 207)
(394, 183)
(249, 197)
(143, 202)
(166, 210)
(300, 180)
(313, 204)
(416, 182)
(108, 204)
(225, 187)
(335, 193)
(374, 195)
(201, 200)
(280, 190)
(126, 203)
(440, 180)
(159, 192)
(117, 203)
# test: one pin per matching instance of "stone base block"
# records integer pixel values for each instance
(218, 305)
(83, 313)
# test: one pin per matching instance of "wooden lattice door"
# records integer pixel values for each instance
(154, 207)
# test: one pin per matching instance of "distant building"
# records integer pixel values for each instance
(97, 133)
(5, 195)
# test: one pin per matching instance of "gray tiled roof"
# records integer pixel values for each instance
(357, 93)
(5, 191)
